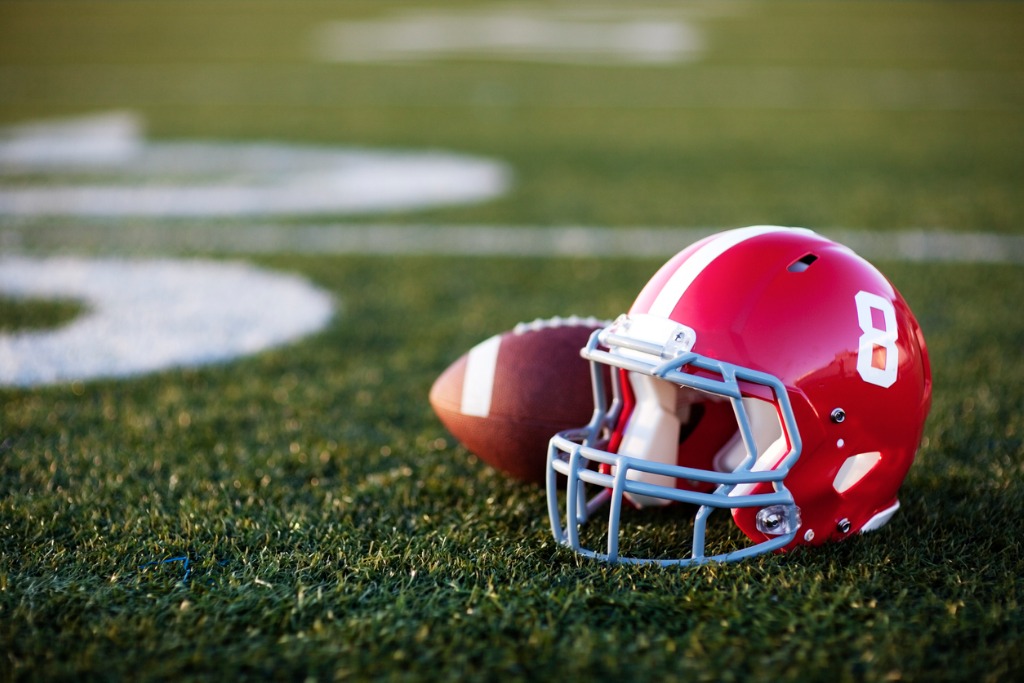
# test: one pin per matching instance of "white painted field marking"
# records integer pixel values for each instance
(200, 179)
(576, 34)
(148, 315)
(937, 246)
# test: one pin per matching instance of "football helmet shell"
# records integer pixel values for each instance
(765, 370)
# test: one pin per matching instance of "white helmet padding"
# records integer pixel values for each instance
(661, 411)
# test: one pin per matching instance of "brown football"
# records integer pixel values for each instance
(508, 395)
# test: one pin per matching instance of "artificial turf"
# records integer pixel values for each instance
(301, 513)
(333, 529)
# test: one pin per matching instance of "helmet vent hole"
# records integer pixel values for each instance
(802, 263)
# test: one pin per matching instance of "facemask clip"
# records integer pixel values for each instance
(776, 520)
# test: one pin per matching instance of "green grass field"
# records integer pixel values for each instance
(301, 513)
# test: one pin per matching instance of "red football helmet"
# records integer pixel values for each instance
(766, 370)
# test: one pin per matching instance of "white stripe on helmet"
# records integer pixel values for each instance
(681, 280)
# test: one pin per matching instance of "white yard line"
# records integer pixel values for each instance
(524, 33)
(917, 245)
(146, 315)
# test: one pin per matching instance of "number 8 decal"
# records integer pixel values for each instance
(877, 356)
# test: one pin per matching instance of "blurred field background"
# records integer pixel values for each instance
(864, 115)
(301, 513)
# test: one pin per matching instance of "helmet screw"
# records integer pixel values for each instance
(838, 415)
(843, 526)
